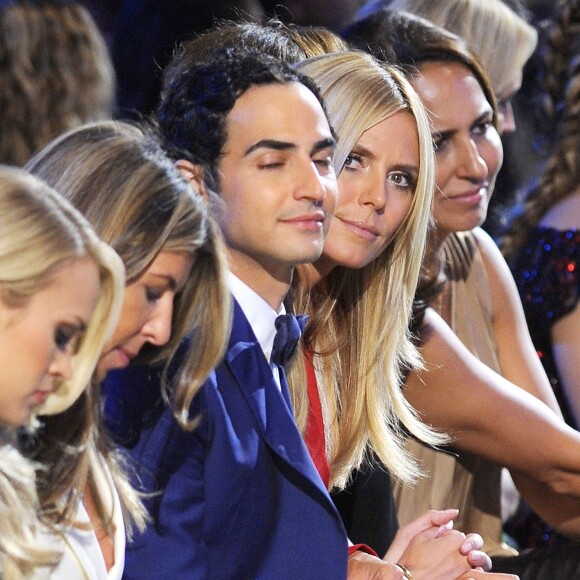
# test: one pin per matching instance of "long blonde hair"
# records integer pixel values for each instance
(21, 547)
(358, 333)
(137, 201)
(117, 175)
(39, 231)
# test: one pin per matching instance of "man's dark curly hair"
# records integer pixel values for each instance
(198, 94)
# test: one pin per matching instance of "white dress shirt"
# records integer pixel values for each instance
(260, 315)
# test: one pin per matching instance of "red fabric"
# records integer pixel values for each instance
(361, 548)
(314, 435)
(315, 441)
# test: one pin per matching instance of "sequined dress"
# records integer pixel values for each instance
(546, 273)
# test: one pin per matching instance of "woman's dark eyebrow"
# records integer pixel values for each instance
(362, 151)
(411, 169)
(442, 134)
(485, 116)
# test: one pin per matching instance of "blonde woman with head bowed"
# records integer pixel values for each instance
(117, 176)
(60, 296)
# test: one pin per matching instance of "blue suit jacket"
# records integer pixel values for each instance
(239, 497)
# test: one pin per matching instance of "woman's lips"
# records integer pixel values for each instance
(123, 357)
(361, 229)
(472, 197)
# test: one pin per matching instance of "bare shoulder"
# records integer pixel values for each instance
(490, 253)
(439, 343)
(433, 326)
(504, 294)
(565, 214)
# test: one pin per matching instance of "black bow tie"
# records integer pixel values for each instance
(289, 328)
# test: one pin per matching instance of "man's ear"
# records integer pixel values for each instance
(194, 173)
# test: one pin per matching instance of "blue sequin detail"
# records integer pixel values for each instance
(547, 278)
(546, 274)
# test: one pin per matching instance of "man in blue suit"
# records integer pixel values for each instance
(239, 497)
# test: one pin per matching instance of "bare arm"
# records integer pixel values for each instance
(488, 415)
(561, 511)
(518, 360)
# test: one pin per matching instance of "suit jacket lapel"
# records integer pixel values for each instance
(247, 364)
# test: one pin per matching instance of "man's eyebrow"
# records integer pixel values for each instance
(327, 143)
(270, 144)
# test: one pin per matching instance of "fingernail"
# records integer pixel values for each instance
(444, 529)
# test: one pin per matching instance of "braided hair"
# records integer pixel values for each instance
(560, 105)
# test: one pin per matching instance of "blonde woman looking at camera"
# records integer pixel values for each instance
(363, 287)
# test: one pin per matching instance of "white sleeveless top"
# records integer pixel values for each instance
(82, 557)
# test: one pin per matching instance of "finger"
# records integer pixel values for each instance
(477, 559)
(475, 575)
(442, 517)
(472, 542)
(444, 529)
(429, 521)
